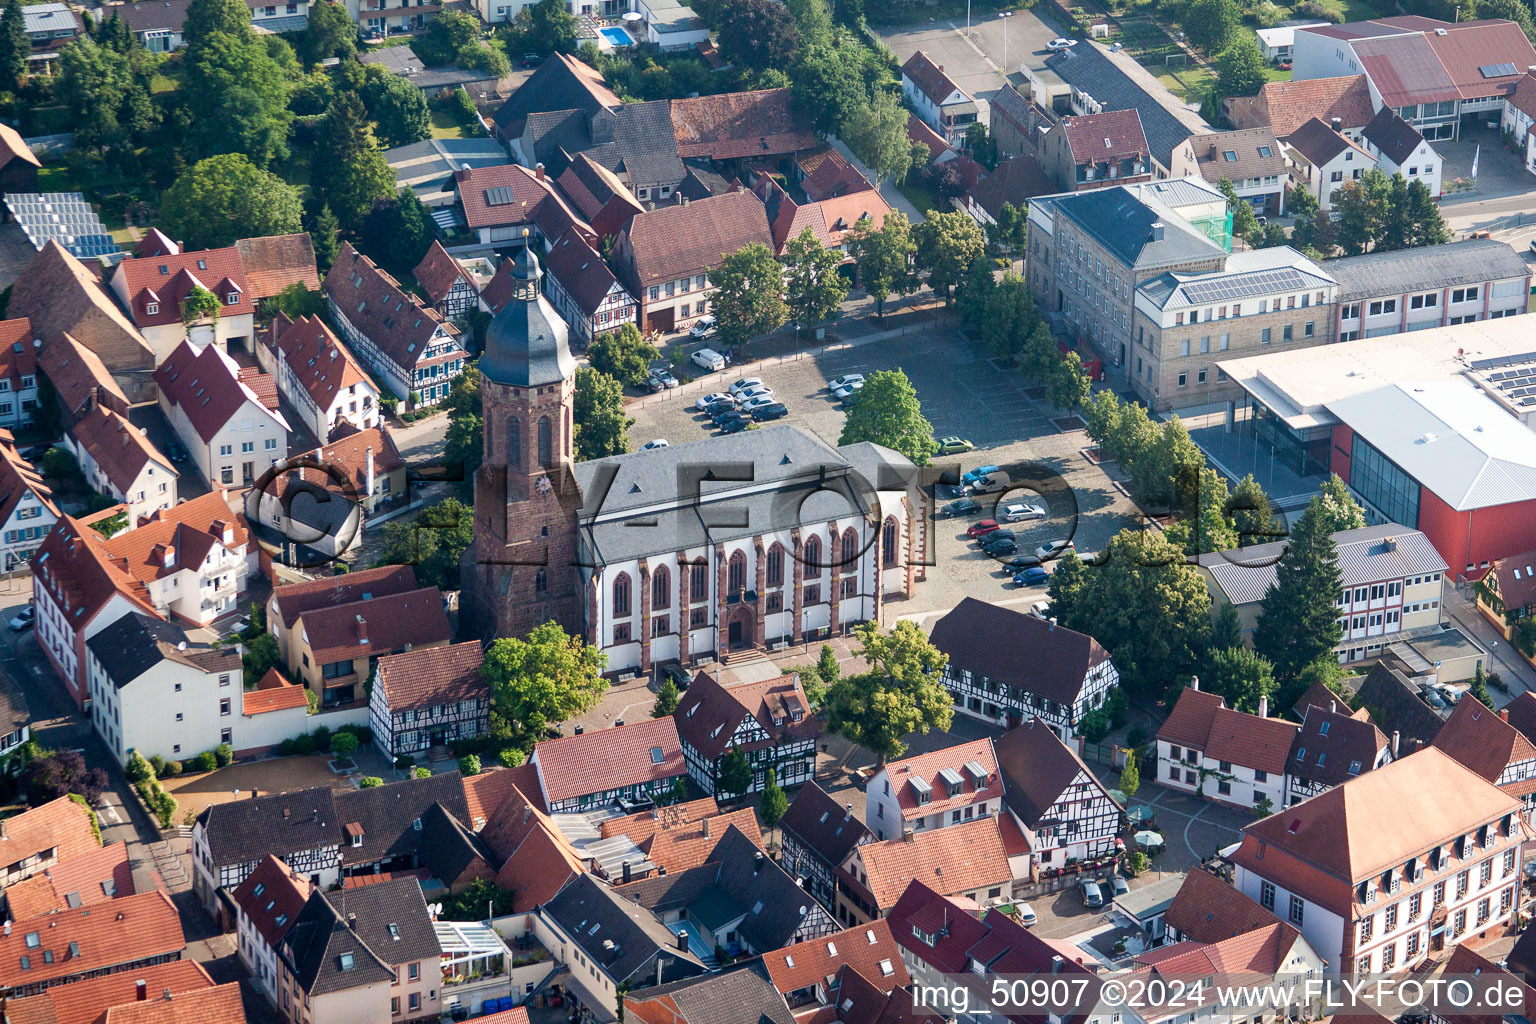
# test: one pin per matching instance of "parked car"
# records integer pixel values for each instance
(1039, 608)
(677, 674)
(997, 538)
(972, 475)
(709, 359)
(1032, 577)
(1450, 694)
(22, 619)
(848, 389)
(727, 412)
(954, 445)
(664, 375)
(982, 526)
(1022, 513)
(703, 328)
(963, 507)
(735, 426)
(1022, 562)
(655, 445)
(1093, 896)
(838, 383)
(1002, 547)
(1060, 43)
(704, 403)
(850, 400)
(761, 401)
(1054, 549)
(1429, 693)
(1026, 915)
(1119, 885)
(532, 60)
(772, 411)
(994, 482)
(745, 383)
(761, 390)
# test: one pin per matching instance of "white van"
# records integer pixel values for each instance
(709, 359)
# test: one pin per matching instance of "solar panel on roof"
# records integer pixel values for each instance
(1497, 70)
(64, 217)
(501, 195)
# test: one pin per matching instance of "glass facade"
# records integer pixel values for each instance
(1376, 478)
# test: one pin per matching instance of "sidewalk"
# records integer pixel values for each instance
(894, 196)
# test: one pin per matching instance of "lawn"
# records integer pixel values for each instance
(446, 126)
(1274, 74)
(919, 196)
(1190, 84)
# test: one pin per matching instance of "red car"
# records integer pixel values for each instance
(981, 528)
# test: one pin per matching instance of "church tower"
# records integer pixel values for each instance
(522, 569)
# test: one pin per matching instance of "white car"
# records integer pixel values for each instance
(838, 383)
(1026, 914)
(704, 327)
(760, 391)
(708, 400)
(757, 402)
(655, 446)
(1060, 43)
(848, 389)
(1054, 549)
(746, 383)
(1022, 513)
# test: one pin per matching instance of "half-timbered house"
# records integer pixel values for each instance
(453, 291)
(583, 289)
(1332, 746)
(770, 722)
(627, 765)
(428, 698)
(230, 839)
(1060, 808)
(1009, 667)
(816, 835)
(1489, 745)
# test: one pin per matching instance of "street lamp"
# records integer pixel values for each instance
(1005, 15)
(967, 19)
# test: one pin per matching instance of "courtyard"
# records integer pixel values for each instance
(195, 792)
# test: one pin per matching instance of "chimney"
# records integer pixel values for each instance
(462, 174)
(705, 826)
(1056, 965)
(527, 810)
(362, 630)
(351, 920)
(847, 812)
(1194, 682)
(1338, 124)
(628, 873)
(1156, 234)
(1504, 714)
(140, 990)
(757, 862)
(1264, 706)
(538, 169)
(368, 463)
(1052, 621)
(1397, 739)
(908, 836)
(1333, 706)
(682, 942)
(166, 994)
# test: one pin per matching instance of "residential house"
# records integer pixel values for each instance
(1392, 580)
(599, 196)
(1012, 120)
(1507, 592)
(382, 18)
(560, 84)
(230, 432)
(27, 511)
(1208, 909)
(1014, 182)
(536, 858)
(276, 262)
(1283, 107)
(78, 589)
(429, 698)
(287, 603)
(1376, 882)
(1485, 742)
(437, 82)
(969, 859)
(1430, 286)
(333, 648)
(361, 954)
(42, 838)
(770, 722)
(118, 459)
(608, 942)
(81, 1002)
(702, 998)
(153, 289)
(509, 204)
(1396, 706)
(634, 141)
(157, 26)
(681, 836)
(816, 835)
(452, 289)
(932, 790)
(75, 944)
(582, 288)
(1252, 160)
(18, 164)
(318, 375)
(1222, 754)
(15, 718)
(1323, 160)
(266, 904)
(1029, 668)
(663, 257)
(1331, 747)
(230, 840)
(740, 128)
(822, 172)
(627, 764)
(1054, 804)
(807, 974)
(1276, 956)
(61, 295)
(738, 902)
(1399, 148)
(411, 349)
(1096, 150)
(80, 380)
(1518, 115)
(221, 1003)
(369, 462)
(831, 220)
(1277, 43)
(18, 372)
(942, 105)
(1488, 982)
(193, 558)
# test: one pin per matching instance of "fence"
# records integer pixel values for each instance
(49, 146)
(1106, 754)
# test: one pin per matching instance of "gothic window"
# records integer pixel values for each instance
(888, 543)
(775, 566)
(546, 443)
(849, 556)
(812, 557)
(737, 580)
(621, 594)
(515, 443)
(698, 584)
(540, 582)
(661, 588)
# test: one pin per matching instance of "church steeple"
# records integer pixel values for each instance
(527, 344)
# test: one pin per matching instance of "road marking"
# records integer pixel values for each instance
(110, 813)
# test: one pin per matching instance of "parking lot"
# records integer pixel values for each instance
(964, 393)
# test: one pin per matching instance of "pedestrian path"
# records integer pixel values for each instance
(888, 191)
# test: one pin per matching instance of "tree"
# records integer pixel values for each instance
(463, 446)
(227, 197)
(1009, 232)
(349, 172)
(815, 288)
(735, 776)
(827, 666)
(398, 109)
(1245, 224)
(446, 36)
(106, 92)
(1210, 24)
(1425, 226)
(813, 20)
(888, 413)
(398, 232)
(980, 145)
(1130, 775)
(1298, 617)
(1478, 689)
(259, 655)
(324, 232)
(1337, 508)
(59, 773)
(1226, 627)
(1252, 517)
(344, 745)
(1068, 386)
(1239, 675)
(773, 803)
(827, 86)
(15, 47)
(481, 900)
(295, 301)
(1240, 68)
(1201, 505)
(884, 256)
(1523, 636)
(758, 34)
(469, 764)
(747, 302)
(946, 245)
(547, 677)
(234, 98)
(328, 33)
(898, 695)
(623, 355)
(199, 304)
(602, 429)
(371, 782)
(666, 700)
(1361, 208)
(544, 27)
(434, 543)
(877, 134)
(204, 18)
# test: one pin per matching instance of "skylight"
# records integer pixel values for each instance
(656, 755)
(345, 961)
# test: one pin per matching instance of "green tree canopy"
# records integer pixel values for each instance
(623, 355)
(1240, 68)
(1298, 618)
(735, 773)
(545, 27)
(207, 17)
(542, 679)
(234, 97)
(1240, 675)
(773, 803)
(1376, 213)
(1210, 25)
(898, 695)
(226, 197)
(884, 257)
(747, 302)
(1251, 515)
(324, 232)
(888, 413)
(398, 109)
(397, 233)
(328, 33)
(1202, 525)
(106, 91)
(1337, 508)
(946, 245)
(199, 304)
(666, 700)
(602, 429)
(815, 288)
(827, 84)
(1130, 775)
(877, 133)
(434, 543)
(758, 34)
(1245, 223)
(349, 172)
(466, 437)
(15, 46)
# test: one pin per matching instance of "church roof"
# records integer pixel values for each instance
(526, 344)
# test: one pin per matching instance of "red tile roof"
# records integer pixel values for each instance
(86, 879)
(958, 858)
(709, 713)
(834, 178)
(608, 759)
(18, 350)
(1468, 47)
(535, 856)
(273, 693)
(580, 270)
(271, 897)
(78, 376)
(829, 220)
(499, 195)
(1515, 576)
(1189, 723)
(1286, 106)
(483, 793)
(296, 598)
(163, 281)
(669, 243)
(125, 931)
(121, 449)
(373, 301)
(862, 948)
(927, 767)
(930, 78)
(953, 926)
(73, 568)
(156, 243)
(391, 621)
(207, 385)
(435, 675)
(277, 261)
(1483, 741)
(81, 1002)
(218, 1005)
(347, 452)
(682, 836)
(59, 293)
(918, 131)
(319, 360)
(1111, 135)
(1260, 952)
(1207, 909)
(182, 535)
(18, 478)
(736, 125)
(438, 272)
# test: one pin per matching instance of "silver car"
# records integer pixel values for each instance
(1021, 513)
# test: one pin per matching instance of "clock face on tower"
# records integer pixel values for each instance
(543, 485)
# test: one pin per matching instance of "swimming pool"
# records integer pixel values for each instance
(616, 36)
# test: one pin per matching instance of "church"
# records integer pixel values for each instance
(689, 554)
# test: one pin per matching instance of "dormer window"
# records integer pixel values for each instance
(152, 309)
(232, 299)
(357, 840)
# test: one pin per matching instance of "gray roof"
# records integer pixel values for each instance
(1395, 138)
(1037, 768)
(1245, 575)
(1425, 268)
(644, 146)
(280, 824)
(402, 61)
(1122, 224)
(739, 995)
(1236, 283)
(53, 17)
(822, 825)
(151, 16)
(1086, 68)
(620, 937)
(427, 167)
(136, 643)
(527, 344)
(1396, 706)
(13, 704)
(388, 816)
(392, 919)
(355, 937)
(1240, 154)
(1151, 900)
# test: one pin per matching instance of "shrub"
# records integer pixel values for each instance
(1313, 9)
(224, 754)
(173, 769)
(421, 773)
(322, 735)
(371, 782)
(304, 744)
(1136, 737)
(469, 764)
(285, 748)
(137, 769)
(344, 744)
(157, 763)
(207, 761)
(464, 108)
(512, 757)
(405, 762)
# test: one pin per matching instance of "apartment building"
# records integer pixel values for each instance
(227, 418)
(152, 289)
(194, 558)
(1323, 159)
(932, 790)
(1333, 746)
(1252, 160)
(1096, 151)
(1222, 754)
(1383, 293)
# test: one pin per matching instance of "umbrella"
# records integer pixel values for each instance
(1140, 813)
(1148, 838)
(1118, 796)
(633, 16)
